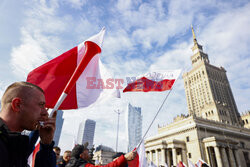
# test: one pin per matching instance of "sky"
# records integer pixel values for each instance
(141, 36)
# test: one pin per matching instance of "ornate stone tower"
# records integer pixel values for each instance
(207, 89)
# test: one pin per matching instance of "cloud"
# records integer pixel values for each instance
(226, 39)
(77, 4)
(23, 59)
(141, 36)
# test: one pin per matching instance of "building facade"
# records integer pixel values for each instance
(134, 126)
(59, 125)
(194, 138)
(103, 155)
(212, 130)
(245, 117)
(207, 89)
(86, 132)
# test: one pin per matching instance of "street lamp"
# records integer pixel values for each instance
(118, 117)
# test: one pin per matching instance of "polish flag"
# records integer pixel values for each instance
(201, 162)
(32, 157)
(190, 163)
(140, 159)
(66, 75)
(153, 81)
(181, 164)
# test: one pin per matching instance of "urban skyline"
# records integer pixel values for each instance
(34, 32)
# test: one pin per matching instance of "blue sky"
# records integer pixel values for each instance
(141, 36)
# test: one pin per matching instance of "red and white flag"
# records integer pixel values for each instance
(200, 162)
(55, 76)
(190, 163)
(140, 159)
(32, 157)
(181, 164)
(153, 81)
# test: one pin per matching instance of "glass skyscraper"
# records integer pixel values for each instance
(86, 132)
(59, 124)
(134, 126)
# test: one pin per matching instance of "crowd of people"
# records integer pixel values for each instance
(80, 156)
(23, 108)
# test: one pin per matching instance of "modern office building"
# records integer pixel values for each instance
(134, 126)
(86, 132)
(213, 130)
(59, 124)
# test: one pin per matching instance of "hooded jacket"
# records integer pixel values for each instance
(15, 149)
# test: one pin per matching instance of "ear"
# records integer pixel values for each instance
(81, 155)
(15, 104)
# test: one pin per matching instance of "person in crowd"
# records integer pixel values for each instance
(23, 108)
(64, 159)
(117, 155)
(57, 151)
(80, 158)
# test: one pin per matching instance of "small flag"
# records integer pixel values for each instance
(181, 164)
(201, 163)
(153, 81)
(140, 159)
(190, 163)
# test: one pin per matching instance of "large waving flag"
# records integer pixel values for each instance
(55, 76)
(153, 81)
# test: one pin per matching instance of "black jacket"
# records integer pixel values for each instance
(73, 162)
(15, 149)
(61, 162)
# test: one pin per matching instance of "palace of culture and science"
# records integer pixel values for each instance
(213, 130)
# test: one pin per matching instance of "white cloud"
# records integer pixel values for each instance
(226, 38)
(27, 56)
(141, 36)
(77, 4)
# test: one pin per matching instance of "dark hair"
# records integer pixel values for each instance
(57, 148)
(77, 150)
(117, 155)
(67, 151)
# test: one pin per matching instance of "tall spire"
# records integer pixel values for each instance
(195, 40)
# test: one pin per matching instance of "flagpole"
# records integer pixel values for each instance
(91, 49)
(154, 118)
(156, 114)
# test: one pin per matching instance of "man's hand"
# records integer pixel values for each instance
(130, 156)
(47, 131)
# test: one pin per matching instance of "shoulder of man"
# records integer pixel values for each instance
(86, 164)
